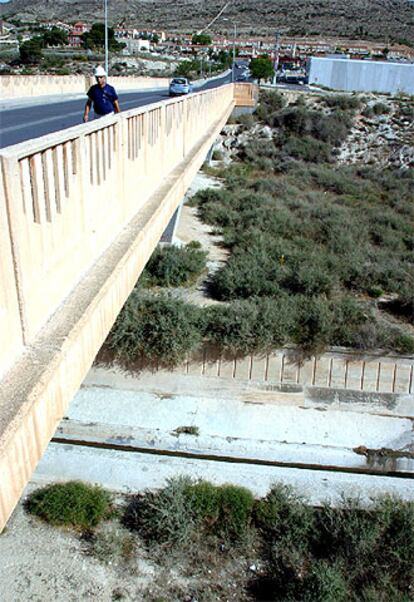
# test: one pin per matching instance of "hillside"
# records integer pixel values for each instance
(382, 20)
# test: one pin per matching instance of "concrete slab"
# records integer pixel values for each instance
(232, 418)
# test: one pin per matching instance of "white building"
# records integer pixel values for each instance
(362, 75)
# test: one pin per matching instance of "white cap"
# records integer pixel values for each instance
(99, 72)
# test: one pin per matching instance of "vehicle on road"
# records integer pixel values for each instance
(179, 86)
(243, 77)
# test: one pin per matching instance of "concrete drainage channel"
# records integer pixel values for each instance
(384, 462)
(131, 433)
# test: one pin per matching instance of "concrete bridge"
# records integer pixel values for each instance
(80, 213)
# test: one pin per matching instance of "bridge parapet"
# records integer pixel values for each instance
(246, 95)
(80, 214)
(68, 194)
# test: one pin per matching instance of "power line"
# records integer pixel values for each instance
(215, 18)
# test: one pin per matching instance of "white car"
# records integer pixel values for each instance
(179, 86)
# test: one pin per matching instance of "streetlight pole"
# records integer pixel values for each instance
(276, 57)
(234, 54)
(234, 49)
(106, 35)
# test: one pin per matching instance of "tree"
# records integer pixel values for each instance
(261, 68)
(186, 67)
(223, 57)
(201, 39)
(55, 37)
(31, 51)
(95, 38)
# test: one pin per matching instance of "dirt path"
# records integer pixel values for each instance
(191, 228)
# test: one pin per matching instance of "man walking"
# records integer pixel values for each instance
(103, 97)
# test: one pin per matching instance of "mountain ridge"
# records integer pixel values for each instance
(386, 20)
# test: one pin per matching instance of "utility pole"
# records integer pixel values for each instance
(276, 56)
(106, 35)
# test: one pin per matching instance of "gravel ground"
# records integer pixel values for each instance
(40, 562)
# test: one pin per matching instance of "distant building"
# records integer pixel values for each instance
(125, 33)
(133, 46)
(5, 27)
(75, 35)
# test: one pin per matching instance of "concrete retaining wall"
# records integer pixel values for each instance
(334, 370)
(362, 76)
(21, 86)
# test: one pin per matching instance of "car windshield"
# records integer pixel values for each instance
(179, 81)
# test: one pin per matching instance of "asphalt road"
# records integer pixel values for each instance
(21, 123)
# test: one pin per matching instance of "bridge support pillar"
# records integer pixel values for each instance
(209, 155)
(168, 236)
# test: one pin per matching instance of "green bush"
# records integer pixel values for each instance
(344, 102)
(285, 523)
(53, 61)
(269, 104)
(325, 583)
(374, 545)
(217, 155)
(177, 513)
(175, 266)
(301, 121)
(404, 343)
(284, 517)
(74, 504)
(236, 504)
(31, 51)
(308, 273)
(350, 553)
(256, 272)
(224, 509)
(350, 318)
(242, 327)
(306, 148)
(157, 328)
(204, 500)
(164, 516)
(368, 111)
(380, 108)
(246, 120)
(314, 324)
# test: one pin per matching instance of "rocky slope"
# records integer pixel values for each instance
(384, 139)
(386, 20)
(382, 133)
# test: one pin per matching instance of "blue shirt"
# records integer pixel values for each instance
(103, 99)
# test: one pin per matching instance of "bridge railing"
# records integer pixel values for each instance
(66, 196)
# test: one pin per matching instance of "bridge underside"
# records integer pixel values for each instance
(37, 389)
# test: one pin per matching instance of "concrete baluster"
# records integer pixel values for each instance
(11, 329)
